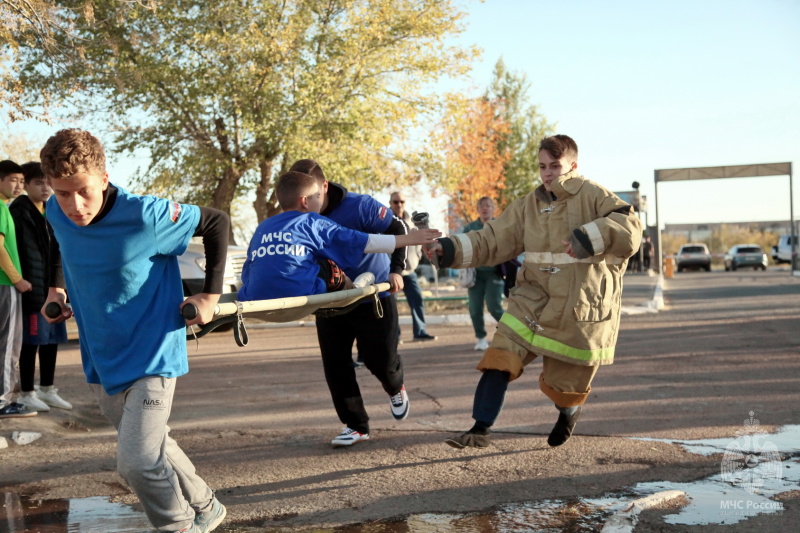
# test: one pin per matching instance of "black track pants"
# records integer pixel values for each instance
(376, 341)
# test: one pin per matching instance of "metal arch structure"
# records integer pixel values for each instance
(732, 171)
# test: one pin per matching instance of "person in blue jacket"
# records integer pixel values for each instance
(376, 334)
(295, 252)
(115, 254)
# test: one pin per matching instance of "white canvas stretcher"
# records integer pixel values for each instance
(230, 310)
(296, 307)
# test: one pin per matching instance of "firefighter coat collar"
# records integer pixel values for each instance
(562, 187)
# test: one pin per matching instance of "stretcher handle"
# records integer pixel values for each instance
(53, 310)
(189, 311)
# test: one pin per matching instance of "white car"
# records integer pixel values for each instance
(193, 268)
(694, 255)
(782, 252)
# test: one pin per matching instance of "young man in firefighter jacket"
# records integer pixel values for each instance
(577, 237)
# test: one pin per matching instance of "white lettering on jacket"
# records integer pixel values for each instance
(279, 248)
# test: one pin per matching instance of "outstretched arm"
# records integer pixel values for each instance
(386, 243)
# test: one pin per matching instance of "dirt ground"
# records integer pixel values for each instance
(257, 422)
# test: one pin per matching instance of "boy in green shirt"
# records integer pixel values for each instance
(12, 285)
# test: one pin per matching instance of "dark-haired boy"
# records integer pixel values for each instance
(375, 335)
(12, 285)
(289, 252)
(33, 239)
(12, 181)
(119, 256)
(577, 237)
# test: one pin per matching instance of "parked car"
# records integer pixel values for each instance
(193, 268)
(745, 255)
(694, 255)
(782, 252)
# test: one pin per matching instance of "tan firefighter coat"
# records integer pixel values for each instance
(561, 307)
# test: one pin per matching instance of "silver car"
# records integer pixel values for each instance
(745, 255)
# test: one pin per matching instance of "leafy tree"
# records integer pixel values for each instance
(36, 24)
(224, 96)
(472, 166)
(526, 128)
(489, 147)
(728, 235)
(20, 148)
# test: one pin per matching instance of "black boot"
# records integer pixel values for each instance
(476, 437)
(562, 431)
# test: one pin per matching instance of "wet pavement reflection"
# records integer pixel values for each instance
(21, 514)
(754, 469)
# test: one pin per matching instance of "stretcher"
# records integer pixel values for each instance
(231, 311)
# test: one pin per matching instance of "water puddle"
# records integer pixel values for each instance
(754, 468)
(77, 515)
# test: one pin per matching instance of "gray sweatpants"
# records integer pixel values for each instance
(10, 342)
(150, 461)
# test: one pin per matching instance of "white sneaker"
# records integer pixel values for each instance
(49, 395)
(481, 345)
(349, 437)
(399, 404)
(32, 401)
(364, 280)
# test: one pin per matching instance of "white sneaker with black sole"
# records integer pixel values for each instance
(399, 404)
(348, 437)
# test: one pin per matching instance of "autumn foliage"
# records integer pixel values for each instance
(474, 163)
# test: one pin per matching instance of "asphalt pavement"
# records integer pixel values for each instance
(257, 421)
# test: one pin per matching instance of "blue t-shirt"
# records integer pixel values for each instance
(364, 213)
(283, 254)
(124, 285)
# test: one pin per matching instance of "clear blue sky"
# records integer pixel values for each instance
(645, 85)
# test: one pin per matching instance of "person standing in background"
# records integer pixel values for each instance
(12, 285)
(647, 253)
(33, 242)
(489, 284)
(411, 287)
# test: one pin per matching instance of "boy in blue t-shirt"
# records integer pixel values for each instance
(299, 252)
(117, 252)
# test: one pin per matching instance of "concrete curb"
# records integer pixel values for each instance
(624, 521)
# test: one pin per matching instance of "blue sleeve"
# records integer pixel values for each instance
(173, 224)
(343, 246)
(375, 217)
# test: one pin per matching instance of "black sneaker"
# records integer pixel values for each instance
(469, 439)
(16, 410)
(562, 431)
(425, 337)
